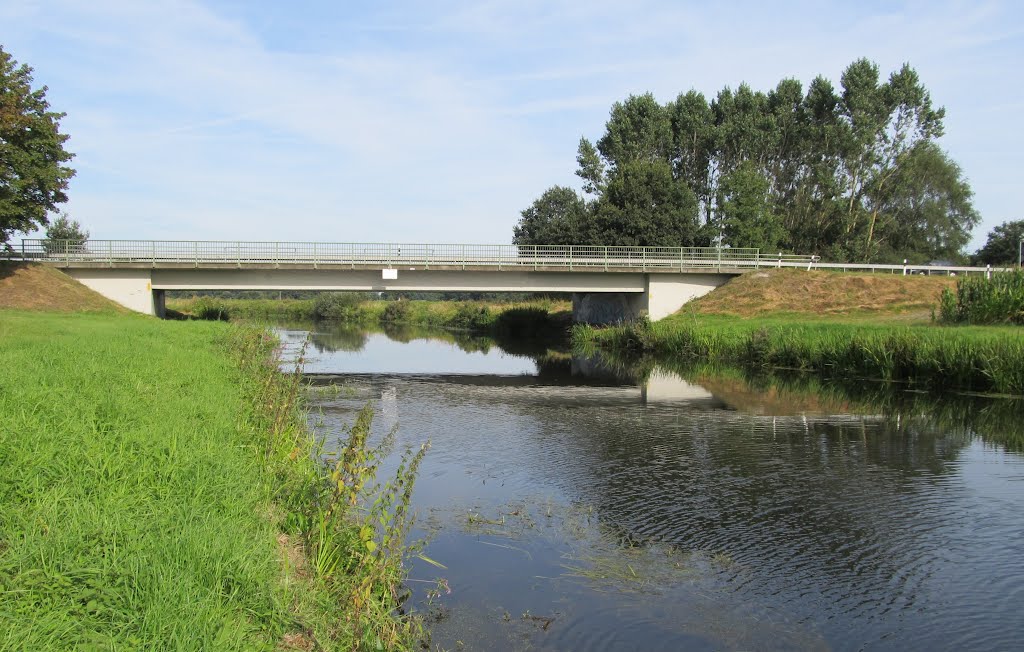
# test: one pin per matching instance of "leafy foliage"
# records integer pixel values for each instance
(852, 173)
(64, 233)
(978, 300)
(1003, 244)
(337, 305)
(32, 175)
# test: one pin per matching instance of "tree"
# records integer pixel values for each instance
(32, 175)
(63, 233)
(645, 206)
(849, 173)
(925, 211)
(1003, 244)
(557, 217)
(745, 210)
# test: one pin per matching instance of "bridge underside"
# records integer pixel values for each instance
(598, 297)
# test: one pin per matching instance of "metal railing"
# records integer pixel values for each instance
(198, 253)
(240, 253)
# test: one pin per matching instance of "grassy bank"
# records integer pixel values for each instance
(861, 325)
(975, 358)
(160, 491)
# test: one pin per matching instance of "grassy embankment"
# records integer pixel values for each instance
(542, 315)
(160, 491)
(836, 324)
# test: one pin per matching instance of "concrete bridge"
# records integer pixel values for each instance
(608, 284)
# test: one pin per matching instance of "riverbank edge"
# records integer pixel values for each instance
(526, 318)
(983, 359)
(292, 606)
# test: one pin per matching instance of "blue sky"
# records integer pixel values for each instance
(440, 121)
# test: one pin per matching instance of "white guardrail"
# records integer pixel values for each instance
(157, 253)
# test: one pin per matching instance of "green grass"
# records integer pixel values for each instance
(976, 358)
(156, 478)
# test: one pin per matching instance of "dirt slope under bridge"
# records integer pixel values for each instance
(30, 286)
(795, 291)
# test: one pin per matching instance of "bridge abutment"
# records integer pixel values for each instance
(132, 288)
(663, 295)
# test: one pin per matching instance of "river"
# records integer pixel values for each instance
(583, 505)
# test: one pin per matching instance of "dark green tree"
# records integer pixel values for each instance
(639, 129)
(1003, 245)
(33, 178)
(645, 206)
(849, 174)
(559, 216)
(746, 211)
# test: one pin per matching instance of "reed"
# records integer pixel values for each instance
(977, 300)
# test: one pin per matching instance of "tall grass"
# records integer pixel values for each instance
(978, 300)
(160, 491)
(970, 358)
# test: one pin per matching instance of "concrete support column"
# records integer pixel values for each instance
(160, 303)
(605, 308)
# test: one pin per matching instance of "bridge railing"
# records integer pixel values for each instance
(197, 253)
(158, 252)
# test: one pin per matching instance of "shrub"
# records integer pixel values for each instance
(210, 309)
(395, 311)
(472, 317)
(336, 305)
(979, 300)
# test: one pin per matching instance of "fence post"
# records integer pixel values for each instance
(277, 254)
(23, 248)
(314, 256)
(570, 257)
(110, 253)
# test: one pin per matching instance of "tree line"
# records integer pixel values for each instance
(853, 173)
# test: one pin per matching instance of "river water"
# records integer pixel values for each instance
(581, 505)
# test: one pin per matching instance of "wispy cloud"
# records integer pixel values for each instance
(440, 121)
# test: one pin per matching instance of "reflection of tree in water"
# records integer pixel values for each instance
(338, 337)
